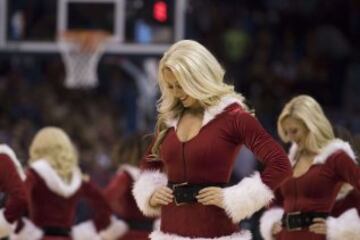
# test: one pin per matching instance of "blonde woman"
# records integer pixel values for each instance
(321, 164)
(202, 124)
(54, 185)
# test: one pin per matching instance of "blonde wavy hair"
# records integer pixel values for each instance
(201, 77)
(307, 110)
(54, 145)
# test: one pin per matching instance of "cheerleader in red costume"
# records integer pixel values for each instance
(11, 183)
(348, 198)
(321, 164)
(202, 124)
(345, 215)
(54, 185)
(118, 192)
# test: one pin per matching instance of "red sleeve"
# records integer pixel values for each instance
(32, 179)
(344, 168)
(13, 186)
(276, 163)
(96, 199)
(351, 200)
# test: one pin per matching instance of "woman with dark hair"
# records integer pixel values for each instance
(127, 155)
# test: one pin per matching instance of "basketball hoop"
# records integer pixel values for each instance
(81, 51)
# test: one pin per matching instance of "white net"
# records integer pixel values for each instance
(81, 60)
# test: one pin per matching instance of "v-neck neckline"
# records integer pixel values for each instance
(186, 141)
(193, 137)
(304, 173)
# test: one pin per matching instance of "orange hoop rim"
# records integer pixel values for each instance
(87, 40)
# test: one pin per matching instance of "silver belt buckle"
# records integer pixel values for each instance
(174, 186)
(287, 221)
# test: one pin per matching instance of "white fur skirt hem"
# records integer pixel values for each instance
(158, 235)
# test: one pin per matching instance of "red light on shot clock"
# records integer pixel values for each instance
(160, 13)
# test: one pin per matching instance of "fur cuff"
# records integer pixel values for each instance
(115, 230)
(5, 227)
(84, 231)
(346, 226)
(28, 232)
(246, 197)
(267, 221)
(158, 235)
(334, 146)
(144, 187)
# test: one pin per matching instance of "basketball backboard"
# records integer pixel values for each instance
(141, 26)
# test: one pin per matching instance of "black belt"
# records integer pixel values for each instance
(298, 220)
(186, 192)
(56, 231)
(142, 225)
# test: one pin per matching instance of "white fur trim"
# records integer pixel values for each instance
(210, 112)
(334, 146)
(5, 227)
(28, 232)
(158, 235)
(84, 231)
(267, 221)
(54, 182)
(5, 149)
(134, 172)
(115, 230)
(144, 187)
(292, 153)
(344, 227)
(331, 148)
(246, 197)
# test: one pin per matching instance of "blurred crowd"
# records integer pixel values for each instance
(274, 49)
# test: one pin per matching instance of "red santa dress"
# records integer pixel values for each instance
(208, 159)
(52, 205)
(315, 191)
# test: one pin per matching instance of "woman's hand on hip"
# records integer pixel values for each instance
(161, 196)
(211, 196)
(276, 228)
(318, 226)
